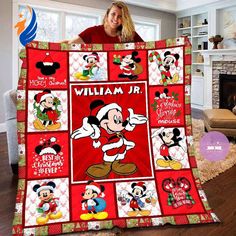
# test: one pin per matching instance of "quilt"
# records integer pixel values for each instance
(105, 138)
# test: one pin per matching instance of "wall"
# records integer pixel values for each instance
(5, 52)
(185, 4)
(168, 20)
(167, 30)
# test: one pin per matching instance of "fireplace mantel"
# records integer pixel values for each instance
(218, 55)
(210, 56)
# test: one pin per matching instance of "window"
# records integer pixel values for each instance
(147, 28)
(48, 25)
(77, 23)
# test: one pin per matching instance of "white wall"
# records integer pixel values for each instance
(185, 4)
(5, 51)
(168, 20)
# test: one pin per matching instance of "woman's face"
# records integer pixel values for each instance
(114, 18)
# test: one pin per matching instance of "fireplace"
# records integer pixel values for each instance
(227, 91)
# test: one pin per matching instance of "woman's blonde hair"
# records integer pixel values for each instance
(127, 30)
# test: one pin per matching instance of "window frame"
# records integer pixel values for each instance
(149, 21)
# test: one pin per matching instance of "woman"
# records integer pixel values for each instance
(117, 27)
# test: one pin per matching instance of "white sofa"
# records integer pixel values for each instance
(9, 99)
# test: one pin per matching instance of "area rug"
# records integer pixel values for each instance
(210, 169)
(105, 138)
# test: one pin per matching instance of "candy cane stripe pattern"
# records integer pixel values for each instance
(157, 55)
(151, 57)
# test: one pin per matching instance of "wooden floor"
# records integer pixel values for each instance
(221, 193)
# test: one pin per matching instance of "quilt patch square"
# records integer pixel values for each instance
(47, 155)
(86, 66)
(47, 69)
(129, 98)
(105, 138)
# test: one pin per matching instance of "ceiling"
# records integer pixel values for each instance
(170, 5)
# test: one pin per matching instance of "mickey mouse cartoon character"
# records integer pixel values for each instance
(93, 201)
(169, 139)
(106, 127)
(136, 204)
(49, 204)
(170, 60)
(47, 109)
(91, 68)
(48, 66)
(159, 95)
(129, 65)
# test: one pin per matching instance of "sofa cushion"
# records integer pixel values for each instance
(220, 118)
(9, 98)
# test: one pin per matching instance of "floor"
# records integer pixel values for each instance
(221, 193)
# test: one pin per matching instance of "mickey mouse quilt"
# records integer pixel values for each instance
(105, 138)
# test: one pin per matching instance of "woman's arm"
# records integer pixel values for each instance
(74, 40)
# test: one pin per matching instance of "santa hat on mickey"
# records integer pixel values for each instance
(140, 185)
(43, 95)
(93, 55)
(175, 61)
(101, 109)
(177, 65)
(47, 61)
(48, 147)
(45, 186)
(95, 187)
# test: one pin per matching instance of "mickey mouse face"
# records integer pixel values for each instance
(128, 59)
(45, 195)
(168, 61)
(162, 95)
(91, 60)
(114, 122)
(48, 102)
(137, 192)
(89, 194)
(48, 69)
(167, 137)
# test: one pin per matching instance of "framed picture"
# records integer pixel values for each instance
(229, 28)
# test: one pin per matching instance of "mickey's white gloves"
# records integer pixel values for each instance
(134, 119)
(86, 130)
(91, 202)
(157, 132)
